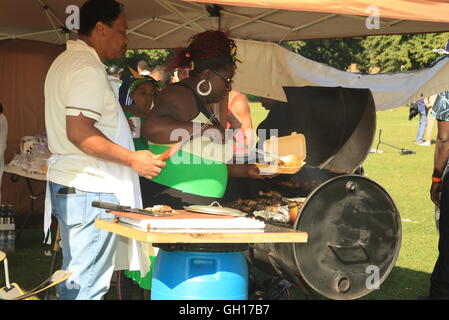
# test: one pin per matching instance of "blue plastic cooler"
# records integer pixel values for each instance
(184, 275)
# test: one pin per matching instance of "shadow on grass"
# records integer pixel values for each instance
(401, 284)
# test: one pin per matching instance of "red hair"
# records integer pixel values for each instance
(205, 45)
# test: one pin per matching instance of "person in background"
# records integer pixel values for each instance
(430, 101)
(93, 152)
(439, 194)
(3, 140)
(158, 73)
(433, 107)
(239, 119)
(143, 68)
(179, 74)
(422, 110)
(137, 104)
(114, 73)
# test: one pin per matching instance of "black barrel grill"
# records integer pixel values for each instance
(353, 224)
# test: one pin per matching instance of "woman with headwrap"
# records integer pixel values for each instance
(194, 175)
(137, 99)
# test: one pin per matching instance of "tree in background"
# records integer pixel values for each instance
(337, 53)
(391, 53)
(402, 52)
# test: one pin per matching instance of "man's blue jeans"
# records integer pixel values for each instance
(88, 252)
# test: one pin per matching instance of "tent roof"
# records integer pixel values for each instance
(419, 10)
(169, 23)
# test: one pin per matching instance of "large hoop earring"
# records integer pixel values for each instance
(203, 93)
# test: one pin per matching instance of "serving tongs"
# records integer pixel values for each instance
(119, 208)
(258, 151)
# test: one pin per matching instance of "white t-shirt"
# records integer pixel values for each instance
(77, 83)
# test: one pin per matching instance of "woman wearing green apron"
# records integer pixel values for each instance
(137, 98)
(198, 173)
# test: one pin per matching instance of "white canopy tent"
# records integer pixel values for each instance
(169, 23)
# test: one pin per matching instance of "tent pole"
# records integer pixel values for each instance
(140, 25)
(172, 9)
(238, 15)
(49, 13)
(142, 35)
(254, 19)
(330, 16)
(177, 28)
(173, 23)
(24, 35)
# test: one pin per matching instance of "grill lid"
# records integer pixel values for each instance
(338, 123)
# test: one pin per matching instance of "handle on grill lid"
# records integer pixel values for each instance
(352, 254)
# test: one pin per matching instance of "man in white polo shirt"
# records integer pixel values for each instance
(93, 153)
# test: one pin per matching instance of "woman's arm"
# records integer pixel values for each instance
(246, 171)
(241, 111)
(174, 109)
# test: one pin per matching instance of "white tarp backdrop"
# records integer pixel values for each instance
(274, 67)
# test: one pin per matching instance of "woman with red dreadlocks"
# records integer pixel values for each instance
(194, 175)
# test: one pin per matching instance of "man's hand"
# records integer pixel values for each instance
(145, 164)
(81, 131)
(435, 190)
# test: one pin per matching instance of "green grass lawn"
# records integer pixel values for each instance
(405, 177)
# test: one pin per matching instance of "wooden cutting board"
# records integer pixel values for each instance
(182, 219)
(178, 214)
